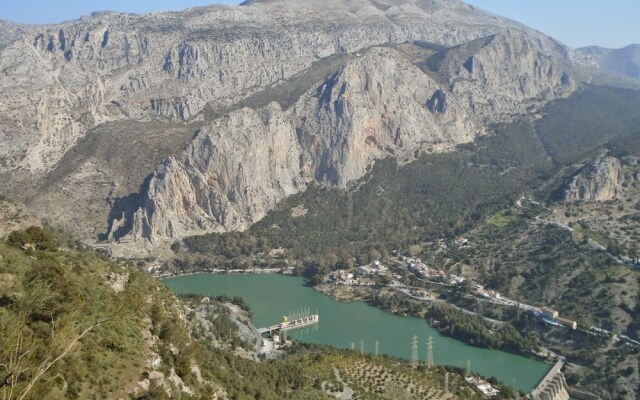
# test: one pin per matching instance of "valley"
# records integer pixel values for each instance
(420, 171)
(342, 324)
(527, 248)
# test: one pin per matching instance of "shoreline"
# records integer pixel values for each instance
(365, 298)
(347, 296)
(254, 271)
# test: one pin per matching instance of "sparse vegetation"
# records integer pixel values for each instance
(392, 207)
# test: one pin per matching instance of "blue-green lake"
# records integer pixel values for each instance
(272, 296)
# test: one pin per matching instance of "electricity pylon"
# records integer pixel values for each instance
(414, 352)
(446, 382)
(430, 352)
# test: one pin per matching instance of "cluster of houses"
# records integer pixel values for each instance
(455, 279)
(375, 268)
(487, 294)
(552, 317)
(348, 277)
(420, 294)
(342, 277)
(441, 245)
(417, 266)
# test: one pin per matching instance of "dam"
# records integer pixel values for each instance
(286, 325)
(553, 386)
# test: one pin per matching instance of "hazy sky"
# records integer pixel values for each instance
(608, 23)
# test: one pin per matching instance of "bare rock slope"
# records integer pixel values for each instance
(599, 181)
(279, 93)
(237, 168)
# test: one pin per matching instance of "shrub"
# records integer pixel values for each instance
(34, 236)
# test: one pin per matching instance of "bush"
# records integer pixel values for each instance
(32, 236)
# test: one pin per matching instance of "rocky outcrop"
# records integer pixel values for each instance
(600, 181)
(239, 167)
(502, 75)
(15, 216)
(233, 172)
(377, 105)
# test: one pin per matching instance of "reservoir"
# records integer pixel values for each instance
(272, 296)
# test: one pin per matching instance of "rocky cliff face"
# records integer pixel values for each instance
(235, 170)
(599, 181)
(111, 66)
(240, 166)
(377, 105)
(343, 98)
(503, 74)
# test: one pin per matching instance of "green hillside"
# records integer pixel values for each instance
(74, 325)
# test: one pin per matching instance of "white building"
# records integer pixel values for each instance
(483, 387)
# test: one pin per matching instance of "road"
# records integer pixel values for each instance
(595, 245)
(404, 290)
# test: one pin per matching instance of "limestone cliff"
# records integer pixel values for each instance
(237, 168)
(504, 74)
(377, 105)
(599, 181)
(59, 81)
(233, 172)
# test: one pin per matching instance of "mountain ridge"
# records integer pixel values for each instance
(141, 85)
(623, 62)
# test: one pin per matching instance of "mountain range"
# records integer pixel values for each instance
(140, 130)
(316, 137)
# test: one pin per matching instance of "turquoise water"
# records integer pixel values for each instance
(271, 296)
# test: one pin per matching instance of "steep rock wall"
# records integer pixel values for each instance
(111, 66)
(599, 181)
(236, 169)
